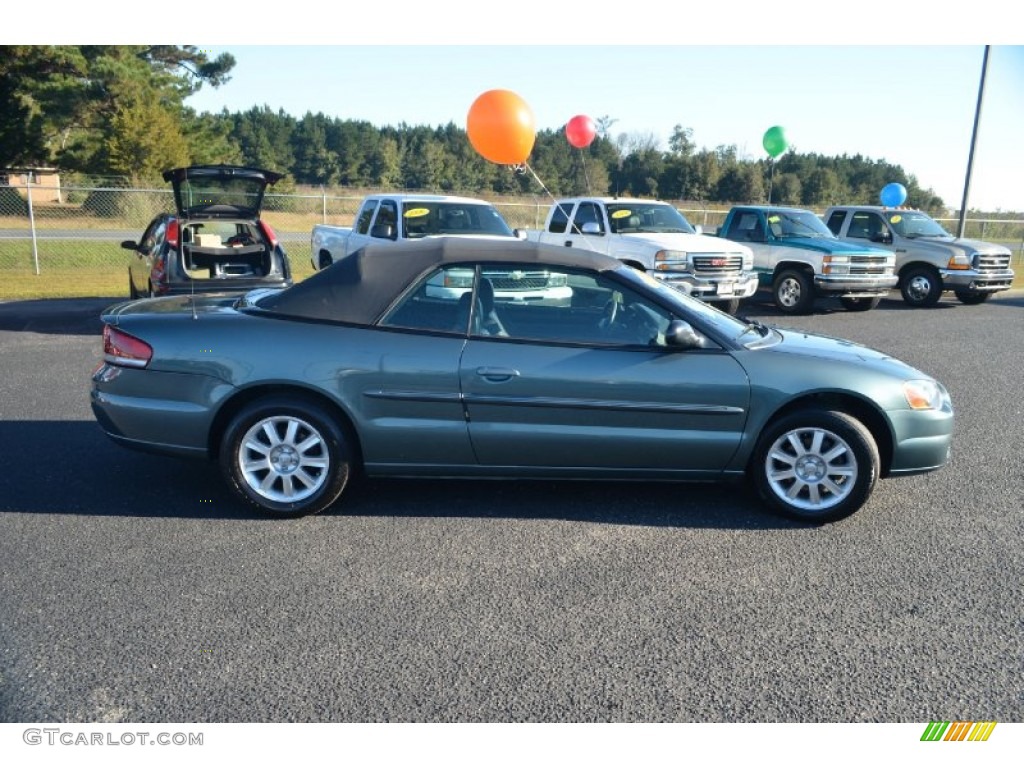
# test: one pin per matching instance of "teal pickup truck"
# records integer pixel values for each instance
(799, 259)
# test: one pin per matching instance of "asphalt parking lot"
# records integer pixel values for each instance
(136, 589)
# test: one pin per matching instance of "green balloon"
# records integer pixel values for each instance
(774, 141)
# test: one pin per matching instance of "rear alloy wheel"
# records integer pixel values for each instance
(286, 456)
(793, 292)
(731, 306)
(816, 466)
(921, 287)
(860, 304)
(972, 298)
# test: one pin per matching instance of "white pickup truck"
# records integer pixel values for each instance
(655, 237)
(929, 260)
(384, 218)
(393, 218)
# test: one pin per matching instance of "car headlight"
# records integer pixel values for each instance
(923, 394)
(960, 261)
(671, 261)
(836, 265)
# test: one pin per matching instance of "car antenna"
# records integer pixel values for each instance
(191, 277)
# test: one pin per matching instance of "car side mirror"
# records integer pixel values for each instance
(681, 335)
(131, 245)
(519, 233)
(591, 228)
(383, 231)
(881, 237)
(698, 229)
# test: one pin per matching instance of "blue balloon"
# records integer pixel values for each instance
(893, 195)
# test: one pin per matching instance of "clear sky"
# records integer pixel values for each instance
(908, 99)
(912, 106)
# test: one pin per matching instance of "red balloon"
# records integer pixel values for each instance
(580, 131)
(501, 128)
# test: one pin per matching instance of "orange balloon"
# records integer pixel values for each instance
(501, 128)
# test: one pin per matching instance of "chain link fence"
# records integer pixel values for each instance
(65, 239)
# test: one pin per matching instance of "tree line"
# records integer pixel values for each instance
(121, 110)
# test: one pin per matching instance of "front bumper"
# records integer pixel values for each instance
(978, 282)
(738, 286)
(855, 286)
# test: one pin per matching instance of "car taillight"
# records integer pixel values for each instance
(121, 348)
(268, 233)
(172, 232)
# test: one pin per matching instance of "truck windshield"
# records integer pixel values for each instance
(913, 224)
(626, 217)
(797, 224)
(429, 217)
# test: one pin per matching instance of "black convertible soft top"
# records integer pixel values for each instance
(358, 288)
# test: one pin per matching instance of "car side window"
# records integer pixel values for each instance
(564, 305)
(365, 217)
(559, 218)
(149, 236)
(587, 213)
(859, 225)
(835, 222)
(439, 302)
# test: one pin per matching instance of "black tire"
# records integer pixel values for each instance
(972, 298)
(730, 306)
(325, 260)
(921, 286)
(860, 304)
(306, 470)
(828, 478)
(132, 293)
(793, 292)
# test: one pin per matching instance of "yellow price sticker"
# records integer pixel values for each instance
(773, 219)
(621, 214)
(895, 219)
(415, 213)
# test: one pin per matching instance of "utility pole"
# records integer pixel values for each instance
(974, 139)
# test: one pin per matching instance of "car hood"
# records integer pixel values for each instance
(965, 244)
(801, 344)
(219, 191)
(825, 245)
(683, 241)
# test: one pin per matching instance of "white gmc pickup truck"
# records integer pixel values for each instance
(655, 237)
(390, 218)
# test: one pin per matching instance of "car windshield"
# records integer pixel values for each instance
(428, 217)
(797, 224)
(913, 224)
(727, 325)
(647, 217)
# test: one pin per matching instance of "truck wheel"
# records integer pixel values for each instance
(972, 298)
(731, 306)
(860, 304)
(132, 293)
(815, 465)
(793, 292)
(285, 456)
(325, 260)
(921, 286)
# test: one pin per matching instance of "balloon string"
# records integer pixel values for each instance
(586, 177)
(566, 211)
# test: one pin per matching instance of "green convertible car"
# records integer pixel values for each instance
(367, 367)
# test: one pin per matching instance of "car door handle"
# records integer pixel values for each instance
(497, 374)
(568, 243)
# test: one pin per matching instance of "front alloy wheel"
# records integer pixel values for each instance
(285, 456)
(816, 466)
(793, 292)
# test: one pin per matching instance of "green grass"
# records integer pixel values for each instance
(70, 269)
